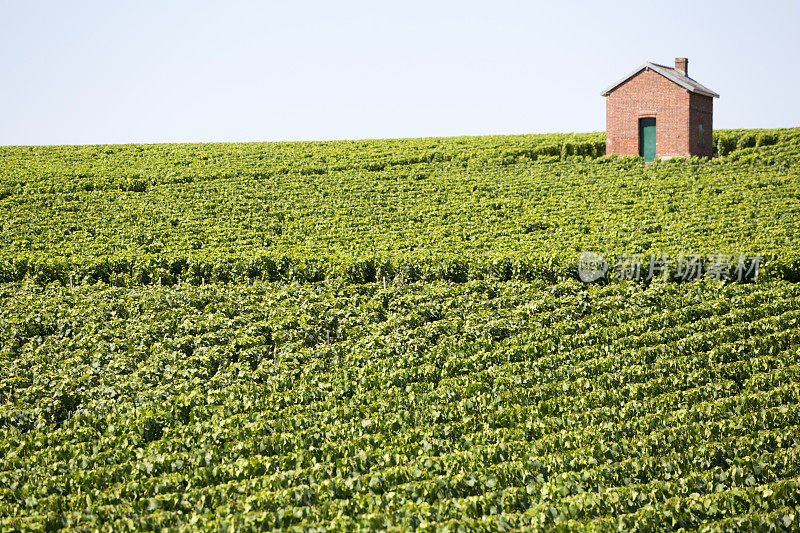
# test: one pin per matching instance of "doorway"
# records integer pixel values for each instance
(647, 138)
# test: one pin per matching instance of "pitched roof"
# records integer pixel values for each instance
(672, 74)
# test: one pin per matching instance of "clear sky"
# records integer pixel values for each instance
(101, 72)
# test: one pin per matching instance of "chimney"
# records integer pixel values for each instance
(682, 65)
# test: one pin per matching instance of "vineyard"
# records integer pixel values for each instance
(390, 334)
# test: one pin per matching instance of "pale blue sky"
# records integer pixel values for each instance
(101, 72)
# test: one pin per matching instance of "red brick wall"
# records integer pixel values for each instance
(649, 94)
(701, 109)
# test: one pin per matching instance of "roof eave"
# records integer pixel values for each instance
(707, 93)
(666, 74)
(623, 80)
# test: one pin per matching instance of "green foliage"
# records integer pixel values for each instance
(369, 335)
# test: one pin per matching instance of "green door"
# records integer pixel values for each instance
(647, 138)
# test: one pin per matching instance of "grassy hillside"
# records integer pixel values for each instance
(390, 335)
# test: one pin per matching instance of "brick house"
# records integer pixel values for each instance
(659, 112)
